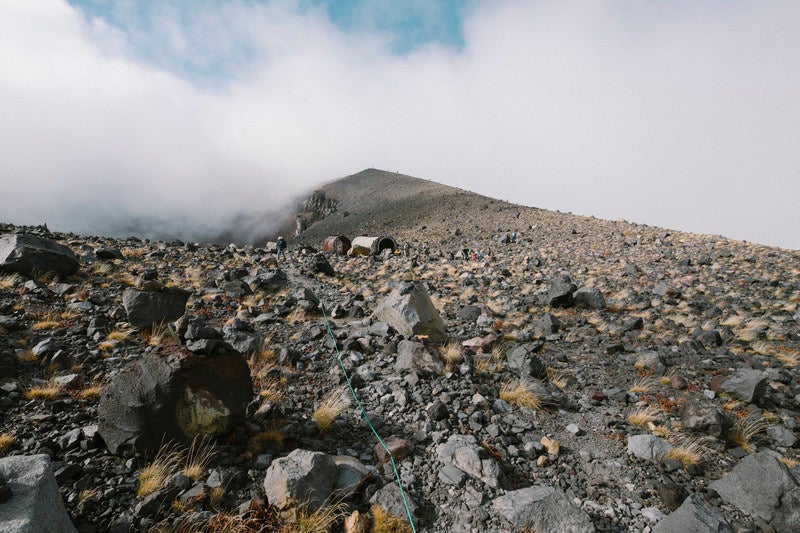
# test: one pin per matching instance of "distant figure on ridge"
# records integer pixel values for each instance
(281, 247)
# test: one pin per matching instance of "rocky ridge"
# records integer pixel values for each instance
(598, 375)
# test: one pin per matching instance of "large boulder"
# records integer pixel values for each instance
(757, 484)
(747, 385)
(29, 254)
(35, 504)
(173, 396)
(544, 509)
(409, 310)
(560, 293)
(147, 308)
(694, 515)
(301, 479)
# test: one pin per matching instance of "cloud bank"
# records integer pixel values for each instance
(679, 114)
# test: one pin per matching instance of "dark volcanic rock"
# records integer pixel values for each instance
(28, 254)
(147, 308)
(173, 396)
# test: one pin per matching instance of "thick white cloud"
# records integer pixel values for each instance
(681, 114)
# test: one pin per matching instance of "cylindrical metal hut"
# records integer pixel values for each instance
(372, 245)
(337, 244)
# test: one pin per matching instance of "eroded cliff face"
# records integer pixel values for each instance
(315, 208)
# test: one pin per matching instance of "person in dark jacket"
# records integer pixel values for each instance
(281, 247)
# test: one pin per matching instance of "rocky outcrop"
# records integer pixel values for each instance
(29, 254)
(173, 396)
(409, 310)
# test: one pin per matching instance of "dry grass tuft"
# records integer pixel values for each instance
(557, 378)
(9, 281)
(788, 357)
(383, 522)
(216, 496)
(28, 357)
(520, 392)
(155, 475)
(320, 521)
(163, 335)
(260, 441)
(7, 441)
(332, 406)
(790, 463)
(92, 392)
(688, 450)
(48, 322)
(451, 353)
(198, 457)
(641, 385)
(121, 335)
(643, 417)
(745, 430)
(45, 392)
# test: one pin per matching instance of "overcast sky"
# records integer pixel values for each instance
(682, 114)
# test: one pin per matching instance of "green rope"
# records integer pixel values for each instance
(366, 416)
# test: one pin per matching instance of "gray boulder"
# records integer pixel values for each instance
(747, 385)
(787, 516)
(173, 396)
(589, 298)
(694, 515)
(302, 478)
(561, 292)
(648, 447)
(35, 504)
(415, 357)
(28, 254)
(542, 509)
(464, 453)
(704, 418)
(147, 308)
(409, 310)
(757, 484)
(524, 363)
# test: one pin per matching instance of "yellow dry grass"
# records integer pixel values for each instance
(745, 430)
(92, 392)
(641, 386)
(259, 441)
(688, 450)
(155, 475)
(642, 417)
(198, 456)
(520, 392)
(9, 281)
(451, 353)
(320, 521)
(7, 441)
(45, 392)
(383, 522)
(329, 410)
(122, 335)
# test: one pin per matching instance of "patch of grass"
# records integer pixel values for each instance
(329, 410)
(163, 335)
(153, 476)
(788, 357)
(9, 281)
(270, 391)
(198, 457)
(319, 521)
(520, 392)
(216, 496)
(745, 430)
(46, 323)
(7, 441)
(556, 378)
(46, 392)
(643, 417)
(688, 451)
(28, 357)
(641, 385)
(121, 335)
(451, 353)
(790, 463)
(92, 392)
(259, 441)
(383, 522)
(666, 379)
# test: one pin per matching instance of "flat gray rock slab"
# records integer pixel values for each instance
(757, 484)
(694, 515)
(463, 452)
(747, 385)
(302, 477)
(542, 509)
(35, 503)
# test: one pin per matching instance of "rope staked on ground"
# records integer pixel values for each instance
(366, 417)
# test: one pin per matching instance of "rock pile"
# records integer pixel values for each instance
(591, 376)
